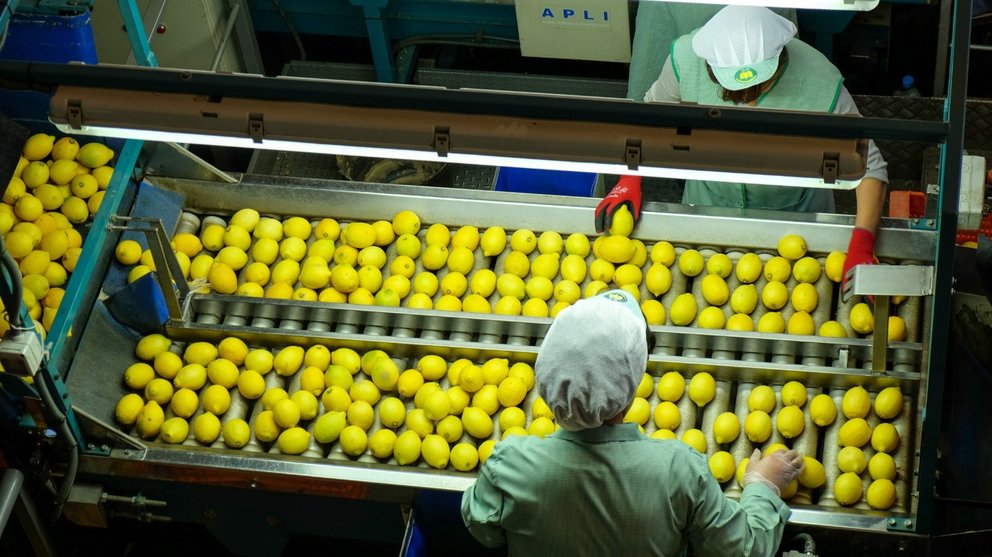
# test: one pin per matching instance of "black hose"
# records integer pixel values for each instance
(292, 30)
(809, 546)
(72, 445)
(16, 295)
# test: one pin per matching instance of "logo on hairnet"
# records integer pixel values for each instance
(745, 75)
(615, 296)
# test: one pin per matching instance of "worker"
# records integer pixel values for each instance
(597, 485)
(748, 56)
(658, 24)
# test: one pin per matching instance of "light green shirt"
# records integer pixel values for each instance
(613, 491)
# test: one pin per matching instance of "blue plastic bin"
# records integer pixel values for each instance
(552, 182)
(44, 38)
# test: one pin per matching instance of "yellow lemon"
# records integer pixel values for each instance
(848, 488)
(664, 434)
(358, 235)
(854, 433)
(832, 329)
(813, 474)
(94, 155)
(748, 268)
(639, 412)
(174, 430)
(701, 388)
(793, 394)
(434, 257)
(353, 440)
(822, 410)
(715, 290)
(885, 438)
(801, 323)
(667, 416)
(726, 428)
(523, 240)
(888, 403)
(29, 208)
(711, 317)
(535, 307)
(151, 345)
(550, 242)
(778, 269)
(461, 260)
(774, 295)
(790, 421)
(216, 399)
(740, 322)
(128, 407)
(671, 386)
(722, 466)
(663, 253)
(406, 222)
(897, 328)
(683, 310)
(627, 274)
(577, 244)
(758, 426)
(38, 146)
(159, 390)
(834, 266)
(882, 466)
(493, 241)
(35, 174)
(149, 420)
(466, 237)
(222, 279)
(236, 433)
(851, 459)
(594, 288)
(695, 439)
(792, 247)
(602, 270)
(658, 279)
(690, 263)
(806, 270)
(719, 264)
(384, 233)
(856, 402)
(654, 312)
(408, 245)
(881, 494)
(861, 318)
(804, 297)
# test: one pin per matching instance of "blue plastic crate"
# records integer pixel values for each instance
(44, 38)
(552, 182)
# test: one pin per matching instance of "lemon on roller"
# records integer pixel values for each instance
(191, 376)
(448, 302)
(332, 296)
(486, 399)
(832, 329)
(888, 403)
(573, 268)
(658, 279)
(128, 407)
(748, 268)
(664, 434)
(854, 433)
(450, 428)
(793, 394)
(711, 317)
(690, 263)
(758, 426)
(666, 416)
(701, 388)
(523, 241)
(567, 291)
(882, 466)
(822, 410)
(577, 244)
(28, 208)
(338, 375)
(722, 466)
(236, 433)
(406, 222)
(437, 233)
(94, 155)
(671, 386)
(167, 364)
(806, 270)
(774, 295)
(595, 288)
(540, 408)
(328, 426)
(654, 312)
(271, 396)
(459, 400)
(719, 264)
(695, 439)
(174, 430)
(741, 469)
(384, 234)
(856, 402)
(792, 246)
(740, 322)
(159, 390)
(511, 391)
(885, 438)
(387, 297)
(223, 372)
(851, 459)
(550, 242)
(774, 448)
(206, 428)
(881, 494)
(353, 440)
(466, 237)
(149, 420)
(726, 428)
(790, 421)
(461, 260)
(477, 423)
(434, 257)
(813, 474)
(834, 266)
(222, 279)
(307, 403)
(617, 249)
(382, 442)
(524, 372)
(403, 265)
(359, 413)
(138, 375)
(268, 228)
(639, 412)
(408, 245)
(897, 329)
(49, 196)
(406, 449)
(683, 309)
(778, 269)
(366, 390)
(663, 253)
(861, 318)
(771, 322)
(535, 307)
(464, 457)
(293, 441)
(435, 451)
(216, 399)
(715, 290)
(438, 405)
(602, 270)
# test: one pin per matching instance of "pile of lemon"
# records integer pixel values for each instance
(316, 401)
(56, 184)
(657, 403)
(855, 434)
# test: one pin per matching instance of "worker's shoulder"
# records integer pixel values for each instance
(676, 450)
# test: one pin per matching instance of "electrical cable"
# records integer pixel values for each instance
(14, 298)
(457, 40)
(292, 30)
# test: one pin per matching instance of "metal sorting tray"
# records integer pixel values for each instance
(737, 360)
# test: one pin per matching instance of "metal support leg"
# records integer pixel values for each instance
(382, 55)
(880, 336)
(10, 488)
(141, 52)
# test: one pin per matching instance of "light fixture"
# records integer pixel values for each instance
(458, 137)
(839, 5)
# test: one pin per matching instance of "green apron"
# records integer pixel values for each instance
(810, 83)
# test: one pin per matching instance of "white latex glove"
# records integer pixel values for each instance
(776, 470)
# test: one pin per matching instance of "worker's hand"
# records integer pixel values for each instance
(776, 470)
(860, 251)
(627, 191)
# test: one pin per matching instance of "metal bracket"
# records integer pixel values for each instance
(256, 128)
(167, 271)
(74, 113)
(442, 141)
(900, 524)
(632, 153)
(831, 162)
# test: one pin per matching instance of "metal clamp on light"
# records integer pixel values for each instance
(460, 137)
(882, 282)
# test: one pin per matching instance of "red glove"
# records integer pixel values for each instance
(627, 190)
(860, 251)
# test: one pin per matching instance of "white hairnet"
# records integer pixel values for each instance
(592, 359)
(742, 44)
